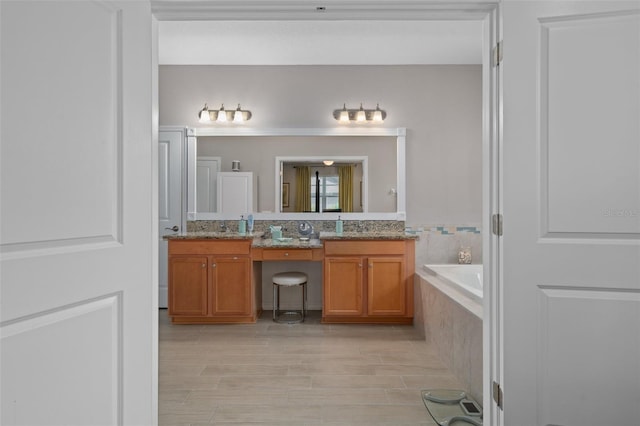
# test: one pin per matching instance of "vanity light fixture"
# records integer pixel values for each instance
(222, 115)
(327, 162)
(360, 115)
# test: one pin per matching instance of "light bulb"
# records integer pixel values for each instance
(344, 115)
(360, 115)
(237, 115)
(377, 115)
(222, 115)
(204, 115)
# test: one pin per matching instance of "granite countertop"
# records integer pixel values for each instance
(373, 235)
(258, 241)
(213, 236)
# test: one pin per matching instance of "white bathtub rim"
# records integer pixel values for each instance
(457, 295)
(443, 271)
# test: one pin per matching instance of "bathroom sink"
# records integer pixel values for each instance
(284, 239)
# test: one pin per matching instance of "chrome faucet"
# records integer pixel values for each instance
(223, 226)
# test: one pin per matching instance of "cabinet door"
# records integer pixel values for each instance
(231, 285)
(343, 286)
(386, 289)
(187, 286)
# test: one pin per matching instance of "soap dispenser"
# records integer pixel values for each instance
(242, 226)
(339, 226)
(250, 223)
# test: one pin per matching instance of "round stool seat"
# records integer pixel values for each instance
(290, 278)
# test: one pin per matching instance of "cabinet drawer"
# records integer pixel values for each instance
(203, 247)
(363, 247)
(287, 254)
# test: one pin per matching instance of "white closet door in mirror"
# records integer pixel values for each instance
(206, 187)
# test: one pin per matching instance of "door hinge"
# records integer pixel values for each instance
(497, 395)
(496, 224)
(497, 54)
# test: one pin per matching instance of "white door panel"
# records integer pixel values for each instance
(46, 365)
(78, 239)
(171, 199)
(571, 200)
(47, 107)
(589, 356)
(592, 182)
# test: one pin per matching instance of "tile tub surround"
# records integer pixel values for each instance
(440, 244)
(454, 332)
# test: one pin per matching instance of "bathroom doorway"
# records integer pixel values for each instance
(487, 15)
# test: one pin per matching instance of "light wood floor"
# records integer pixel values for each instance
(300, 374)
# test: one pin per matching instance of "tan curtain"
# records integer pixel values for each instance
(303, 189)
(345, 199)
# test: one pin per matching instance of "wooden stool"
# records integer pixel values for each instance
(289, 279)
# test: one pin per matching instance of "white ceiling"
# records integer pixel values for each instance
(361, 42)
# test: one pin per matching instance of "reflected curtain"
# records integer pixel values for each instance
(345, 198)
(303, 189)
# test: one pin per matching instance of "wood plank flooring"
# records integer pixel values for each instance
(300, 374)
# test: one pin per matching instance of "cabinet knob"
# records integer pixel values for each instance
(235, 257)
(213, 265)
(204, 265)
(286, 254)
(371, 265)
(359, 265)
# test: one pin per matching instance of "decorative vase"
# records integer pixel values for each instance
(464, 255)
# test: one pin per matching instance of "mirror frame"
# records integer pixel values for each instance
(400, 133)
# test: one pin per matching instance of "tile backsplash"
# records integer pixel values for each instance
(290, 227)
(440, 244)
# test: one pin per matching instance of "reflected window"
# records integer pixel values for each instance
(325, 193)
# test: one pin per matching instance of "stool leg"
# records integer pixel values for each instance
(274, 302)
(304, 300)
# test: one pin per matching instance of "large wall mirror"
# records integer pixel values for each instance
(370, 163)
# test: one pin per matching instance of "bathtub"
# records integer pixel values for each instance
(448, 311)
(467, 278)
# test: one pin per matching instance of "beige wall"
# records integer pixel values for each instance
(440, 105)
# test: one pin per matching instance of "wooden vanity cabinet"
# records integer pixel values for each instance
(368, 281)
(343, 289)
(230, 285)
(211, 281)
(188, 286)
(386, 286)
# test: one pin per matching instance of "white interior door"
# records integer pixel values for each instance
(171, 199)
(571, 182)
(206, 184)
(78, 237)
